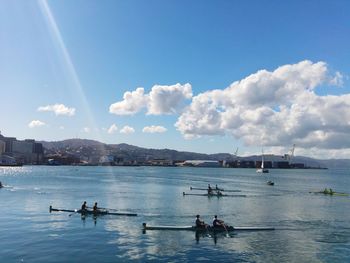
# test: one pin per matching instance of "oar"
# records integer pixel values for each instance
(75, 211)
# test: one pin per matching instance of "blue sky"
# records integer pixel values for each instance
(204, 76)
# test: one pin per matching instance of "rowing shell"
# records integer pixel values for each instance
(214, 189)
(214, 195)
(328, 193)
(89, 212)
(209, 228)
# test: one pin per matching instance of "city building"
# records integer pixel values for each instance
(24, 152)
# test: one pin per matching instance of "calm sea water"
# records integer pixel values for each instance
(309, 227)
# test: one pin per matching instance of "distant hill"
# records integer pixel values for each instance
(91, 148)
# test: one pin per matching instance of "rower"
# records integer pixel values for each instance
(94, 208)
(210, 190)
(83, 207)
(1, 186)
(200, 223)
(218, 223)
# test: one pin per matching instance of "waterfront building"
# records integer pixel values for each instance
(24, 152)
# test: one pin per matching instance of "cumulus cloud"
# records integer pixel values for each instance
(112, 129)
(154, 129)
(168, 99)
(58, 109)
(132, 103)
(36, 123)
(127, 130)
(160, 100)
(274, 108)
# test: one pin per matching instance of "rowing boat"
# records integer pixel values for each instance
(214, 189)
(214, 195)
(209, 228)
(330, 193)
(90, 212)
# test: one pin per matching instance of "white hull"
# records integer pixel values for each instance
(262, 170)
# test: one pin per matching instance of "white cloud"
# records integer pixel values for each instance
(132, 103)
(127, 130)
(36, 123)
(58, 109)
(274, 108)
(161, 100)
(86, 129)
(337, 80)
(112, 129)
(154, 129)
(168, 99)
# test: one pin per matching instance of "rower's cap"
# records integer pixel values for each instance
(197, 216)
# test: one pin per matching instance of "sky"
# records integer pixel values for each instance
(201, 76)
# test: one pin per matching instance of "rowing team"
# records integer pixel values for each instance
(217, 189)
(216, 223)
(84, 207)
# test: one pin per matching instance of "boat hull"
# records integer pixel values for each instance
(90, 212)
(209, 228)
(214, 195)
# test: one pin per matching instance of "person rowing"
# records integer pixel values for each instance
(219, 223)
(84, 207)
(200, 223)
(95, 208)
(1, 186)
(217, 188)
(210, 190)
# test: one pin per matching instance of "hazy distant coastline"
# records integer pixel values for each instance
(91, 151)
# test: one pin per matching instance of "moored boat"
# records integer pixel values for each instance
(270, 183)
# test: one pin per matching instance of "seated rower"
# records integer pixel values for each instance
(95, 208)
(1, 186)
(200, 223)
(84, 207)
(218, 223)
(210, 190)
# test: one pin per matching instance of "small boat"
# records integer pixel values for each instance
(270, 183)
(214, 189)
(209, 228)
(90, 212)
(330, 193)
(262, 169)
(214, 194)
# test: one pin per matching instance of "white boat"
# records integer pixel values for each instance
(262, 169)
